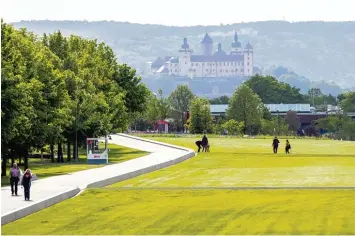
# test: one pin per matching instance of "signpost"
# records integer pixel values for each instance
(97, 151)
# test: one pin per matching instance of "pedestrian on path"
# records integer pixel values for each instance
(14, 178)
(26, 183)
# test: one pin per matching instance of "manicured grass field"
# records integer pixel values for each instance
(159, 203)
(196, 212)
(250, 162)
(47, 169)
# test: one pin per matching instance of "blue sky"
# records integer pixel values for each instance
(179, 12)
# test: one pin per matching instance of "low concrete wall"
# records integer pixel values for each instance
(119, 178)
(22, 212)
(155, 142)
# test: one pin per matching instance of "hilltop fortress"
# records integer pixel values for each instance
(237, 63)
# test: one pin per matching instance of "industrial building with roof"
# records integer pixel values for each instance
(237, 63)
(305, 112)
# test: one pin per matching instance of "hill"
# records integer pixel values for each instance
(319, 51)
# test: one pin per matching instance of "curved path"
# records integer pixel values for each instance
(49, 191)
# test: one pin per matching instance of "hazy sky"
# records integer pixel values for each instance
(179, 12)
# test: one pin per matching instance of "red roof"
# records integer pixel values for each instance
(162, 122)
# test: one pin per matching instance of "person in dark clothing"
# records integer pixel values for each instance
(26, 183)
(275, 144)
(199, 145)
(204, 143)
(14, 178)
(288, 146)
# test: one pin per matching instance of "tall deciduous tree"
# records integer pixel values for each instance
(152, 113)
(233, 127)
(348, 102)
(136, 92)
(163, 105)
(270, 90)
(245, 106)
(200, 116)
(293, 120)
(180, 100)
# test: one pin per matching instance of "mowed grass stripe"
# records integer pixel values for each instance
(185, 212)
(235, 188)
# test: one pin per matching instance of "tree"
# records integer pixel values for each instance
(332, 124)
(152, 112)
(233, 127)
(163, 105)
(136, 92)
(200, 116)
(245, 106)
(180, 100)
(293, 120)
(271, 91)
(348, 102)
(314, 93)
(220, 100)
(348, 130)
(274, 126)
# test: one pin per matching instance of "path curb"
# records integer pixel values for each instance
(8, 217)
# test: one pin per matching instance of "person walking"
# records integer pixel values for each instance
(288, 146)
(204, 143)
(275, 144)
(26, 183)
(14, 178)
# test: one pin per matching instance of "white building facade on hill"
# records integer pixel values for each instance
(239, 62)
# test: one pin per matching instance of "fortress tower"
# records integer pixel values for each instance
(207, 45)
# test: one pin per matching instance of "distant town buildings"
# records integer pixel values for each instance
(237, 63)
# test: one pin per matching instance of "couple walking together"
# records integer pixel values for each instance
(275, 145)
(16, 176)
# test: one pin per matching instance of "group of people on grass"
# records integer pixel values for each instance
(203, 144)
(206, 147)
(17, 176)
(275, 145)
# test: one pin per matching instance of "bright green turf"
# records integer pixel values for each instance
(42, 170)
(196, 212)
(232, 162)
(250, 162)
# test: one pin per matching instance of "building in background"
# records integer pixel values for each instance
(237, 63)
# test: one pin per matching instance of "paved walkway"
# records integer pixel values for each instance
(48, 191)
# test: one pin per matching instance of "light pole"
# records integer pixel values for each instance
(278, 123)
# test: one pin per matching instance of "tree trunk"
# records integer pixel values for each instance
(3, 165)
(12, 157)
(25, 158)
(59, 157)
(41, 155)
(68, 151)
(52, 152)
(74, 150)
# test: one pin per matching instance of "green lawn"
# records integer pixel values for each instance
(147, 208)
(250, 162)
(189, 212)
(47, 169)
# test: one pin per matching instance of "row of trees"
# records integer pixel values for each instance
(272, 91)
(246, 112)
(57, 90)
